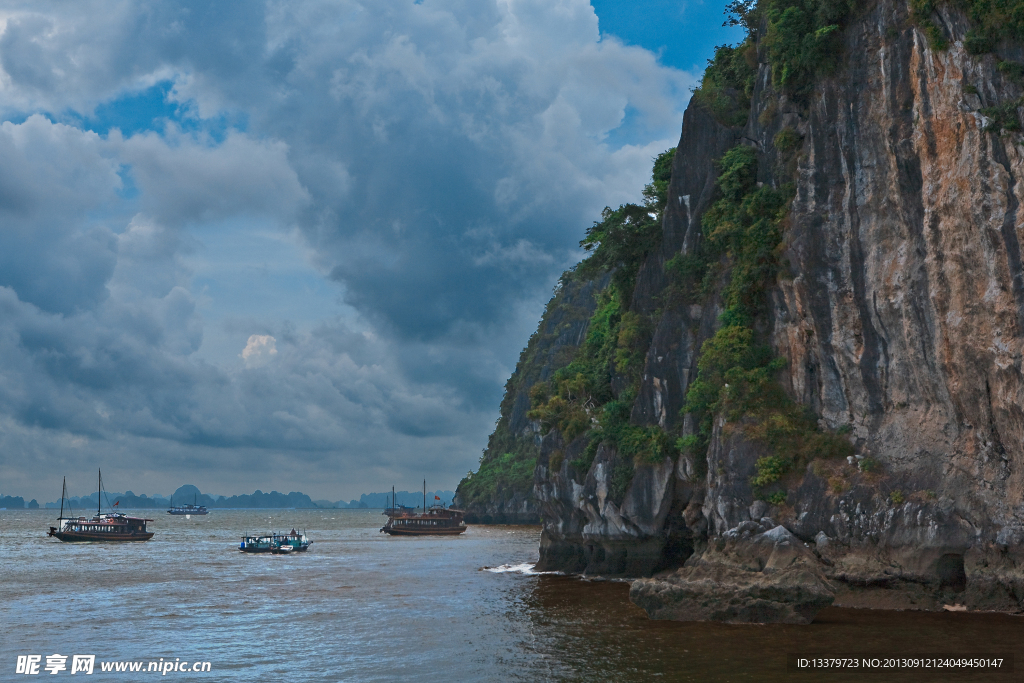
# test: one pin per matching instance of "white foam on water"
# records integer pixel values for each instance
(526, 568)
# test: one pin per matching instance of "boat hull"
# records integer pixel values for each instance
(454, 531)
(81, 537)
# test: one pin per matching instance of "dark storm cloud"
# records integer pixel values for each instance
(437, 161)
(51, 179)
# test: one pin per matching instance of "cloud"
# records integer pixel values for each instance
(183, 180)
(54, 179)
(425, 170)
(258, 350)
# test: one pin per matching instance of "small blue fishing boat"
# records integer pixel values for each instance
(278, 544)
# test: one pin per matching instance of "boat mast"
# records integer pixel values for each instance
(63, 490)
(424, 496)
(99, 494)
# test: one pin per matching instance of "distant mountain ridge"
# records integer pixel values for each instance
(258, 499)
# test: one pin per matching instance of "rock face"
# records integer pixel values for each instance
(904, 320)
(508, 507)
(582, 529)
(750, 575)
(592, 533)
(901, 316)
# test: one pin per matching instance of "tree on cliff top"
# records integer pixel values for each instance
(621, 240)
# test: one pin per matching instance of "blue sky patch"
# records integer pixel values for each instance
(129, 191)
(682, 32)
(151, 110)
(137, 112)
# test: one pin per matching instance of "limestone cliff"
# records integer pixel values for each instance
(501, 491)
(895, 296)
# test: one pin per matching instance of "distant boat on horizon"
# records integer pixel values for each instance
(108, 527)
(190, 509)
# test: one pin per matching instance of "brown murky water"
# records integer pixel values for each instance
(362, 606)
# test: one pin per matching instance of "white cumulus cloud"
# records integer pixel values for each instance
(259, 350)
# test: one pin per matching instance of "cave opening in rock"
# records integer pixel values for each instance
(950, 569)
(677, 550)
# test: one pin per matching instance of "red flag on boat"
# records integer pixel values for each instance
(116, 503)
(437, 497)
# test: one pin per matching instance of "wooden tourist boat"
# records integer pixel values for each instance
(436, 520)
(107, 527)
(187, 510)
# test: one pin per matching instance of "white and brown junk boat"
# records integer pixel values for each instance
(437, 520)
(112, 526)
(188, 510)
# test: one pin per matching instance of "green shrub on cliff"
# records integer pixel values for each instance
(579, 399)
(1003, 117)
(621, 240)
(728, 83)
(634, 443)
(568, 409)
(656, 192)
(691, 278)
(770, 469)
(991, 21)
(510, 473)
(619, 243)
(737, 369)
(574, 396)
(921, 11)
(786, 140)
(802, 41)
(571, 306)
(632, 341)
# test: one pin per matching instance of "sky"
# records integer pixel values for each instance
(299, 246)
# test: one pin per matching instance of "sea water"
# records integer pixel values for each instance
(364, 606)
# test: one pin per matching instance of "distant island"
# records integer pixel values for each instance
(17, 502)
(258, 499)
